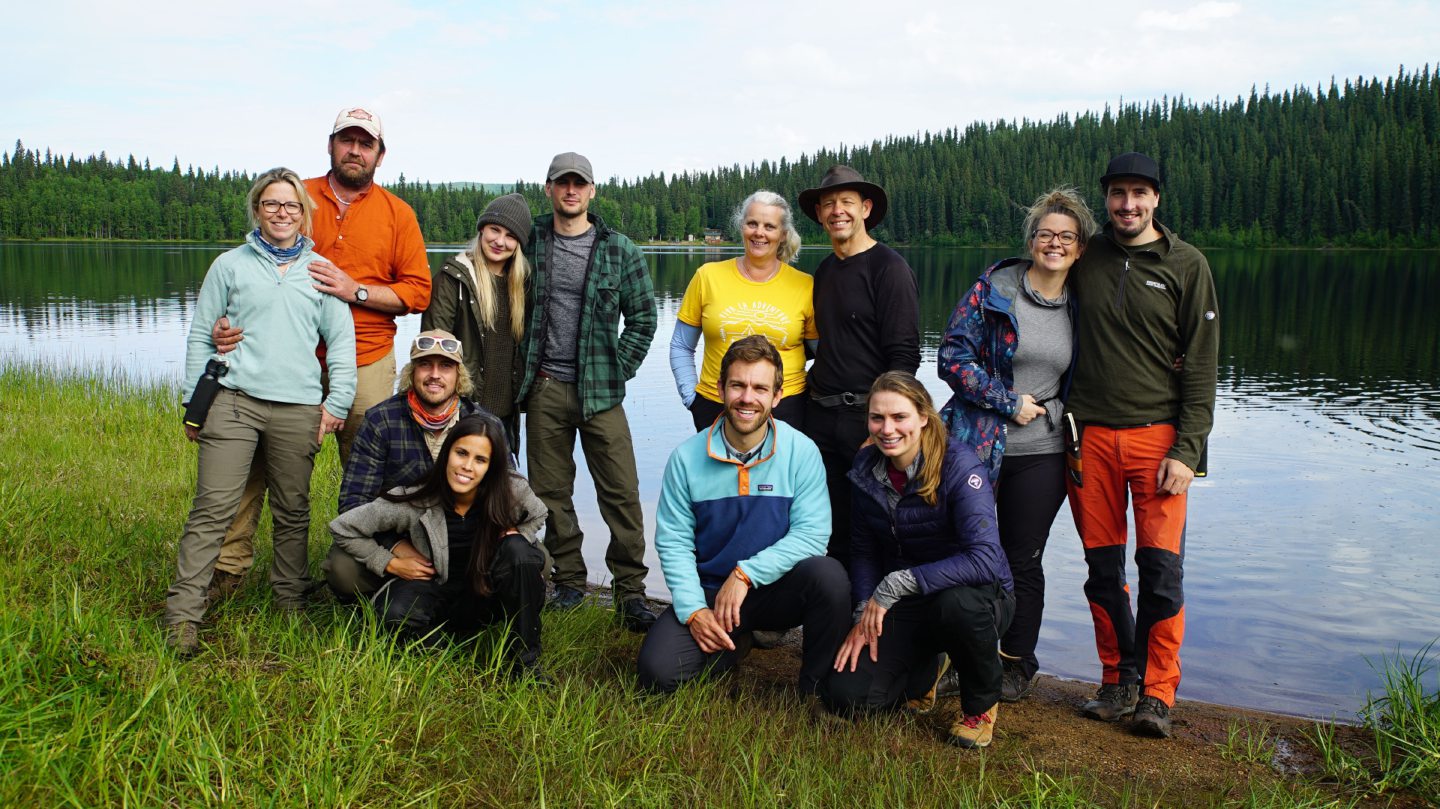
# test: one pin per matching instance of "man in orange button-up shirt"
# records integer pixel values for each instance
(374, 260)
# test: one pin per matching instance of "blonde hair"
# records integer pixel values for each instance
(464, 384)
(933, 436)
(519, 270)
(1066, 201)
(271, 177)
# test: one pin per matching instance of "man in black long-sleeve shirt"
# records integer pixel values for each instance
(867, 311)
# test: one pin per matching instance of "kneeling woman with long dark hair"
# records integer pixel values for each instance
(926, 570)
(459, 551)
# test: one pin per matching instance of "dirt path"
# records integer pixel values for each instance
(1217, 754)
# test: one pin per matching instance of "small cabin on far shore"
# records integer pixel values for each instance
(714, 235)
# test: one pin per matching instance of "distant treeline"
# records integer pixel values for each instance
(1355, 164)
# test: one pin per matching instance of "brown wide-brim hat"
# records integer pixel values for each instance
(839, 177)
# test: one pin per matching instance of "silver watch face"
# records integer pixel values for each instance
(362, 294)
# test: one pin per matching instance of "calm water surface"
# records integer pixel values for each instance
(1312, 547)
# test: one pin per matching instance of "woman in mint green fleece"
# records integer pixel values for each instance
(272, 390)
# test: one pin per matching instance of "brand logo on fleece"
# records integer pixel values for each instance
(766, 487)
(1155, 284)
(973, 482)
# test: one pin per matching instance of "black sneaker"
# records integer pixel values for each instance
(635, 615)
(566, 598)
(765, 639)
(1112, 702)
(1014, 685)
(1152, 718)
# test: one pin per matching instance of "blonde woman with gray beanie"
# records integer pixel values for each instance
(478, 295)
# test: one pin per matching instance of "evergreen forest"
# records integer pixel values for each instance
(1354, 164)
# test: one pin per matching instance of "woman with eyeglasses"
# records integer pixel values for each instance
(271, 391)
(755, 293)
(478, 295)
(467, 553)
(1007, 354)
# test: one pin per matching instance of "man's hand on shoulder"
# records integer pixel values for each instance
(1174, 477)
(333, 281)
(705, 629)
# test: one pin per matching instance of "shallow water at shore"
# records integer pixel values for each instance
(1311, 547)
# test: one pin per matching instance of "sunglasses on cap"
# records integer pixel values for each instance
(445, 343)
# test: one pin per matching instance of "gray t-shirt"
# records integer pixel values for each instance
(569, 258)
(1040, 362)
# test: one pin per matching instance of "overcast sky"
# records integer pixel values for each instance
(490, 91)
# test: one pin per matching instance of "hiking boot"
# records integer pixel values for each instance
(291, 605)
(224, 584)
(926, 704)
(183, 639)
(1152, 718)
(635, 615)
(1112, 702)
(566, 598)
(1014, 685)
(975, 731)
(949, 684)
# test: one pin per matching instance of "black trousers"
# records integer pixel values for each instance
(791, 410)
(838, 432)
(815, 594)
(416, 608)
(1027, 498)
(964, 622)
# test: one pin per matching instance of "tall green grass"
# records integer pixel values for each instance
(322, 709)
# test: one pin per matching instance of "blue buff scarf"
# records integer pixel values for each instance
(280, 255)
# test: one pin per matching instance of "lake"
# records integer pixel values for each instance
(1312, 546)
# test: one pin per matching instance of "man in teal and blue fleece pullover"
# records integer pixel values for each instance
(741, 530)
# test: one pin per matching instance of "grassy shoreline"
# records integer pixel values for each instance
(321, 710)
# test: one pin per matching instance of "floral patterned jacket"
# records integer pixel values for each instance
(975, 359)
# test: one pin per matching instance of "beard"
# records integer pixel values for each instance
(351, 175)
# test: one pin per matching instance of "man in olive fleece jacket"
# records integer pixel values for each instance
(1145, 298)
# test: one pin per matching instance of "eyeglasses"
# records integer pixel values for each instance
(445, 343)
(1066, 237)
(274, 206)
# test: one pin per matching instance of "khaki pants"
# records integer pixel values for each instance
(552, 419)
(230, 444)
(374, 384)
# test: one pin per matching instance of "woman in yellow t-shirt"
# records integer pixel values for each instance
(756, 293)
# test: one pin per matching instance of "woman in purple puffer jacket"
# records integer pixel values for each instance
(927, 573)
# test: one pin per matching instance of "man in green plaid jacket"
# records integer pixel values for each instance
(586, 278)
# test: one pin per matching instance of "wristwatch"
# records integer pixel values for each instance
(361, 294)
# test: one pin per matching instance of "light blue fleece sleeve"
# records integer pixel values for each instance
(809, 532)
(199, 345)
(682, 360)
(337, 328)
(675, 538)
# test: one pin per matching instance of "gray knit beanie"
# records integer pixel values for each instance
(511, 212)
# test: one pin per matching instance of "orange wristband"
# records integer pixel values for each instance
(740, 574)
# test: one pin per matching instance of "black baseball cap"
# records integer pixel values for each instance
(1132, 164)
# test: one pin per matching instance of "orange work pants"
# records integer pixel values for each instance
(1122, 465)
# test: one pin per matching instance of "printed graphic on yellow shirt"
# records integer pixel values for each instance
(756, 317)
